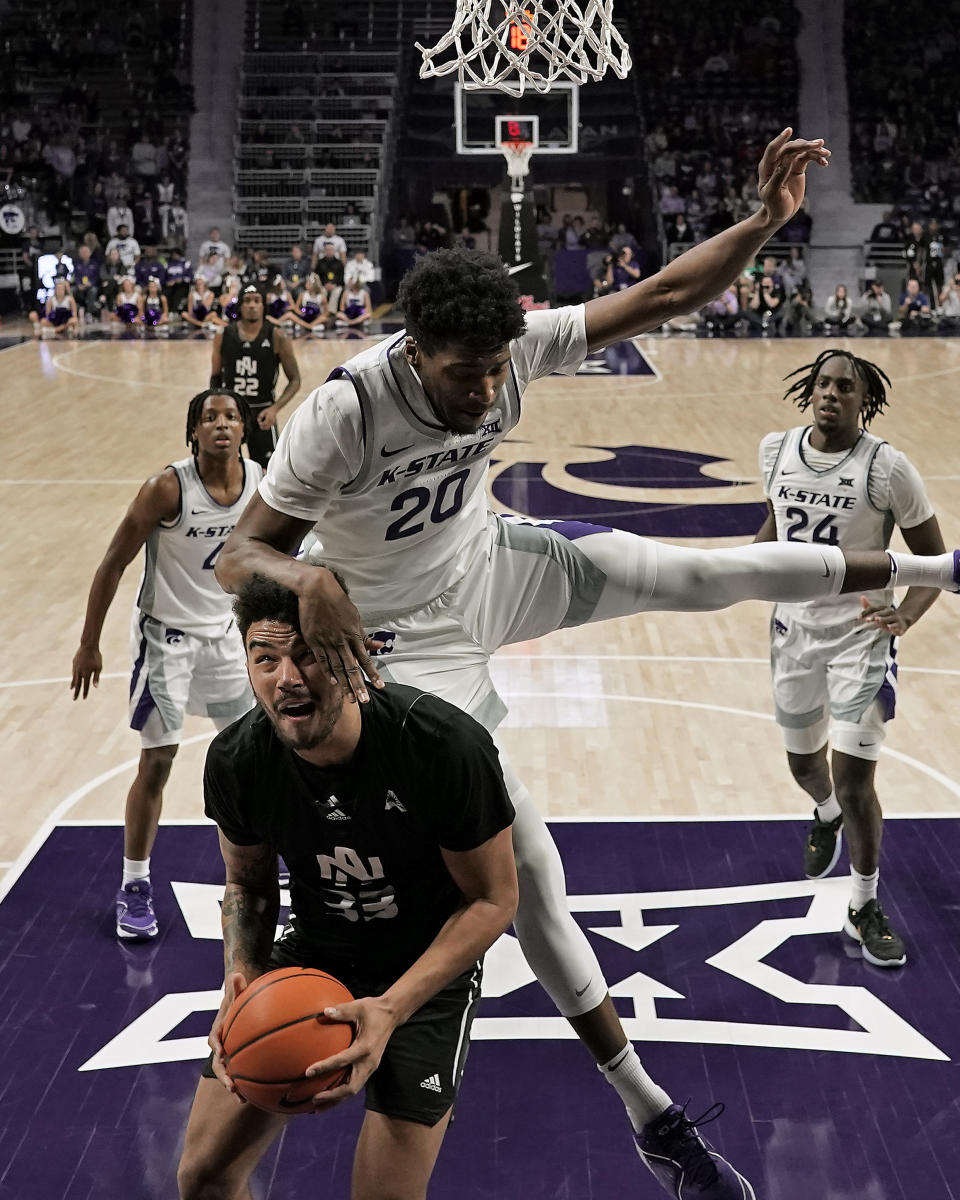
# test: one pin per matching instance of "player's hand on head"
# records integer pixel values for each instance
(782, 172)
(87, 665)
(331, 628)
(373, 1024)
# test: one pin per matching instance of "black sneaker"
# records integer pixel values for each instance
(822, 847)
(878, 943)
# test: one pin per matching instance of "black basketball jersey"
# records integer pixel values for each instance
(249, 366)
(369, 887)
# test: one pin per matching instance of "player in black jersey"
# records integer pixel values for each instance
(247, 356)
(395, 823)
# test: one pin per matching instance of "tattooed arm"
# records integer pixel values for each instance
(251, 905)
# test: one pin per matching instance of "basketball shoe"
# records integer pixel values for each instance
(135, 915)
(822, 847)
(684, 1163)
(878, 943)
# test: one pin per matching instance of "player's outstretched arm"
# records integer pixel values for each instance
(487, 877)
(158, 500)
(261, 544)
(702, 272)
(924, 538)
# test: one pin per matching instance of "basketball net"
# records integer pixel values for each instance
(517, 155)
(513, 44)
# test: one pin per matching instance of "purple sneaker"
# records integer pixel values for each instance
(956, 570)
(135, 915)
(684, 1164)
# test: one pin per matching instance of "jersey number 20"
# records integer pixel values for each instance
(446, 504)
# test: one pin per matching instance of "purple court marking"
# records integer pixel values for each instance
(620, 358)
(534, 1119)
(521, 488)
(651, 466)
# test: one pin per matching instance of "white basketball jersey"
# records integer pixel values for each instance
(830, 507)
(399, 501)
(178, 586)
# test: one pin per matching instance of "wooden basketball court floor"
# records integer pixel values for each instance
(662, 715)
(657, 722)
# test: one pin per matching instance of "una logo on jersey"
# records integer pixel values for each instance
(521, 488)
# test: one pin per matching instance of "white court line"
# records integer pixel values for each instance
(51, 821)
(508, 658)
(72, 483)
(60, 679)
(669, 658)
(931, 772)
(131, 384)
(60, 811)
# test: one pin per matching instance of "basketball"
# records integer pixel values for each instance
(275, 1029)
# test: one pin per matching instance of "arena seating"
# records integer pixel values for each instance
(315, 130)
(85, 76)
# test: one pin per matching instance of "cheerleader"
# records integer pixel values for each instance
(355, 306)
(59, 312)
(229, 301)
(313, 306)
(279, 302)
(153, 305)
(126, 308)
(199, 311)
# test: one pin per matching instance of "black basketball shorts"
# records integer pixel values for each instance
(419, 1074)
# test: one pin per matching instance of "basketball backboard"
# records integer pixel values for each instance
(481, 117)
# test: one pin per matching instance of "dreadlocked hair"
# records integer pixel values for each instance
(873, 377)
(195, 408)
(463, 298)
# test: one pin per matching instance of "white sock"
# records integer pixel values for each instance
(642, 1098)
(135, 868)
(864, 888)
(915, 570)
(829, 809)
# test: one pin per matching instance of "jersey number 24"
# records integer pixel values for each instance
(824, 532)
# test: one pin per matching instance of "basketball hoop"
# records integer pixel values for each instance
(517, 155)
(513, 44)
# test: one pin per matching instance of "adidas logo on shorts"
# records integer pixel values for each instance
(432, 1084)
(336, 814)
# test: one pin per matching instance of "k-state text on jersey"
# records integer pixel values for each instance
(433, 462)
(210, 531)
(817, 499)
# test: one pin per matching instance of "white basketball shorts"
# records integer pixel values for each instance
(838, 684)
(536, 577)
(176, 672)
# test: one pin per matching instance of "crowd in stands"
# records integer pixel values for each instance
(927, 253)
(125, 285)
(717, 83)
(775, 299)
(94, 106)
(904, 95)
